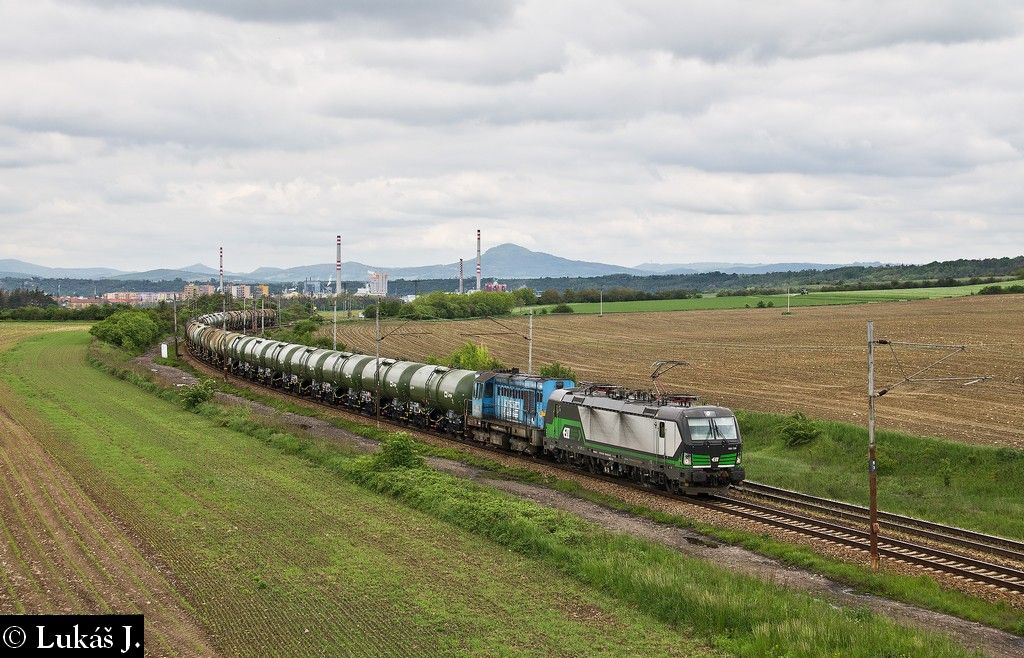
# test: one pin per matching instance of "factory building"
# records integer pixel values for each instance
(376, 285)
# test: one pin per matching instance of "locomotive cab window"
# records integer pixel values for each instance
(661, 430)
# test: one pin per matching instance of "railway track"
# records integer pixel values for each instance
(1004, 578)
(906, 525)
(961, 566)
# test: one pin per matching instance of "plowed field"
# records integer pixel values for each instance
(62, 551)
(812, 361)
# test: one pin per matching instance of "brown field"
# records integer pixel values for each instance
(62, 551)
(813, 361)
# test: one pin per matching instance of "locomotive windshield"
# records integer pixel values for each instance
(709, 429)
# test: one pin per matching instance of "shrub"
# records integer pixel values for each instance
(398, 451)
(562, 308)
(196, 394)
(760, 303)
(471, 357)
(798, 430)
(1001, 290)
(132, 330)
(556, 370)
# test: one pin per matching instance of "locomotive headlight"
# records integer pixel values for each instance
(687, 459)
(739, 459)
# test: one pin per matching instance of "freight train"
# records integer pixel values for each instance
(668, 442)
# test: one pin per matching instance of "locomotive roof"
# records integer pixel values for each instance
(644, 408)
(515, 377)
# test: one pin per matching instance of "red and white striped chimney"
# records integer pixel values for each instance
(478, 288)
(461, 277)
(337, 270)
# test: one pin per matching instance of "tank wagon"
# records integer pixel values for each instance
(666, 441)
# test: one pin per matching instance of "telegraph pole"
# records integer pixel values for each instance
(872, 462)
(174, 302)
(873, 395)
(601, 314)
(376, 316)
(529, 362)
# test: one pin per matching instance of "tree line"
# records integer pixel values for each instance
(22, 297)
(442, 305)
(614, 294)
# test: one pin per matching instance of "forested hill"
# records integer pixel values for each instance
(881, 276)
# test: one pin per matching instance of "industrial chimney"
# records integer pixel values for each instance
(478, 288)
(337, 271)
(461, 276)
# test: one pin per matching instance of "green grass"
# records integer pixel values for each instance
(796, 301)
(265, 544)
(976, 487)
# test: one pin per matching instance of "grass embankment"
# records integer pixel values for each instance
(778, 301)
(265, 548)
(976, 487)
(921, 590)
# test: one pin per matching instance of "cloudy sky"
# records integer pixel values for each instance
(142, 134)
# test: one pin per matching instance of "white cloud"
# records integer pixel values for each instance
(148, 133)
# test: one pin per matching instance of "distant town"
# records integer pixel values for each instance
(376, 286)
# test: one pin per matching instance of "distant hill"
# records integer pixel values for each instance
(21, 268)
(511, 263)
(350, 271)
(509, 260)
(502, 261)
(201, 269)
(169, 275)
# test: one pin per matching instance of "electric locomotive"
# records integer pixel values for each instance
(665, 441)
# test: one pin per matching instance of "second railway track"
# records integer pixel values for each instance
(906, 525)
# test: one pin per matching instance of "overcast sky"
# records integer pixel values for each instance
(143, 134)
